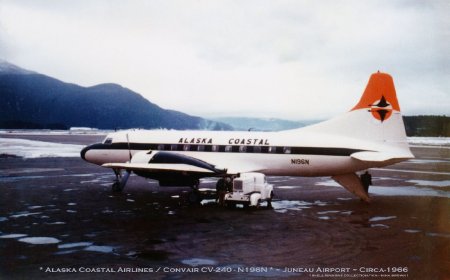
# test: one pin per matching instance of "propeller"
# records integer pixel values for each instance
(129, 149)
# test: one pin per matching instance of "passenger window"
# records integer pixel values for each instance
(161, 147)
(108, 141)
(186, 148)
(228, 149)
(201, 148)
(242, 149)
(272, 150)
(174, 147)
(287, 150)
(257, 149)
(215, 148)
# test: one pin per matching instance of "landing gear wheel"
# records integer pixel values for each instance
(194, 197)
(269, 201)
(366, 181)
(230, 205)
(116, 187)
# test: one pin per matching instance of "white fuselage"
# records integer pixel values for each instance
(287, 153)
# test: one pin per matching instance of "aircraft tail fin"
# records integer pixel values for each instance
(376, 118)
(379, 97)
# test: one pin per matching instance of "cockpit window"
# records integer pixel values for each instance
(107, 141)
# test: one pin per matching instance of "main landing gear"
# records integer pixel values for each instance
(195, 197)
(366, 180)
(121, 180)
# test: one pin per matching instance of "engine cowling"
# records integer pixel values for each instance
(172, 178)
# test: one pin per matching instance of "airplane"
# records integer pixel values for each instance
(370, 135)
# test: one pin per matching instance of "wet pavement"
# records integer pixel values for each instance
(59, 219)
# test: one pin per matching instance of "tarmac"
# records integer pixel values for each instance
(60, 220)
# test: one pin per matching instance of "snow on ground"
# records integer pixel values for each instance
(72, 131)
(37, 149)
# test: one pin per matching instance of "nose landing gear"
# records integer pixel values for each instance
(120, 181)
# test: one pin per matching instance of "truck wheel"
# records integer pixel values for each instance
(116, 187)
(269, 201)
(230, 205)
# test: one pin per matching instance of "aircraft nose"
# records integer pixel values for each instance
(84, 151)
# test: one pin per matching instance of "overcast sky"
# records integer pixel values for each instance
(285, 59)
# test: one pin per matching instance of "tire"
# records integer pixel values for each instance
(116, 187)
(194, 198)
(269, 201)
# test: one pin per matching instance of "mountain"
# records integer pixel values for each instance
(33, 100)
(260, 124)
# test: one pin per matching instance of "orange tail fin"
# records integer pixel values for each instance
(379, 97)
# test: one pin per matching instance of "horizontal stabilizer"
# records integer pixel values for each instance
(353, 184)
(378, 156)
(152, 167)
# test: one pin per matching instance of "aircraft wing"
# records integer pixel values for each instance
(155, 167)
(168, 163)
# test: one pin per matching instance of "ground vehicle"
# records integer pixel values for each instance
(249, 189)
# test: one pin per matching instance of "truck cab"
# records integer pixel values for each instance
(250, 189)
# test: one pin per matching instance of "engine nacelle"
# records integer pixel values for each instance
(169, 177)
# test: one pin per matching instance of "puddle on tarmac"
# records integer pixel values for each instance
(435, 234)
(74, 245)
(12, 235)
(24, 214)
(328, 212)
(408, 191)
(282, 206)
(428, 161)
(56, 223)
(445, 183)
(35, 207)
(100, 249)
(412, 230)
(379, 226)
(377, 219)
(208, 201)
(402, 191)
(324, 217)
(39, 240)
(198, 262)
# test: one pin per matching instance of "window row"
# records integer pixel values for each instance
(224, 148)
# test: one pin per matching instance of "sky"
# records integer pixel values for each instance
(296, 60)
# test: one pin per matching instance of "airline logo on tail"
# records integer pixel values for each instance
(381, 109)
(379, 97)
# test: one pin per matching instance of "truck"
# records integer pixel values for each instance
(249, 189)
